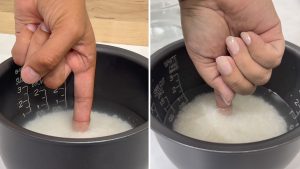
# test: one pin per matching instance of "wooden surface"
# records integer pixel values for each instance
(114, 21)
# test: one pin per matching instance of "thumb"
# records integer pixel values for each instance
(207, 68)
(50, 53)
(223, 94)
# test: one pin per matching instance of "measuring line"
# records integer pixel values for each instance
(28, 101)
(46, 99)
(66, 104)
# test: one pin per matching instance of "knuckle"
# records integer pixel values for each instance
(241, 87)
(13, 51)
(198, 49)
(247, 90)
(76, 31)
(272, 60)
(18, 61)
(262, 78)
(235, 85)
(276, 62)
(17, 57)
(191, 46)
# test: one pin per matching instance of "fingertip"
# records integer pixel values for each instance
(223, 65)
(223, 105)
(44, 28)
(227, 99)
(224, 97)
(232, 45)
(252, 40)
(29, 76)
(31, 27)
(246, 38)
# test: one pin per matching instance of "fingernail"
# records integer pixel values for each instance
(29, 75)
(223, 65)
(246, 38)
(31, 27)
(232, 45)
(226, 101)
(44, 27)
(221, 102)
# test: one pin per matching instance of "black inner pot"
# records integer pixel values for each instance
(121, 88)
(175, 82)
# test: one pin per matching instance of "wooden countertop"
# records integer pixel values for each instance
(114, 21)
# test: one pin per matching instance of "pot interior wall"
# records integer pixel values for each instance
(175, 82)
(121, 88)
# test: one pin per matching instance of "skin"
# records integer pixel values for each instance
(211, 26)
(53, 39)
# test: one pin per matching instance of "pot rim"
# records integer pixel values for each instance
(123, 53)
(189, 142)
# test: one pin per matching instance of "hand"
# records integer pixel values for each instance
(251, 32)
(53, 38)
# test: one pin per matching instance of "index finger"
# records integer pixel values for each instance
(83, 93)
